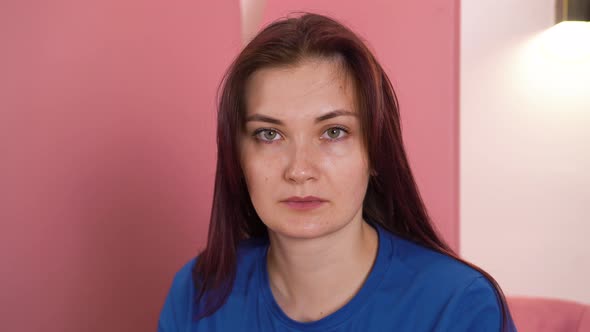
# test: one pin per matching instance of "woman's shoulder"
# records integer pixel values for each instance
(457, 294)
(182, 291)
(421, 260)
(183, 277)
(178, 301)
(444, 283)
(248, 252)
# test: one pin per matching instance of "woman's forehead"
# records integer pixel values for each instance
(309, 88)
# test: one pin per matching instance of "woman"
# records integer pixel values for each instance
(317, 224)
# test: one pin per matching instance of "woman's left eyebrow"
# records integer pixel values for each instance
(334, 114)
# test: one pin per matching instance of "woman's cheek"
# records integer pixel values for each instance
(267, 162)
(345, 148)
(349, 157)
(337, 149)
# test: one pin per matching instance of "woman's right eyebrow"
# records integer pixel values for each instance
(264, 118)
(329, 115)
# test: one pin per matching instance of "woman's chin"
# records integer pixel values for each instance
(301, 229)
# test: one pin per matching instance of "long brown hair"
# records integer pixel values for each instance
(392, 197)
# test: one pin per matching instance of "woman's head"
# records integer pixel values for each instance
(273, 77)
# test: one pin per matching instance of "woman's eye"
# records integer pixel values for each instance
(267, 135)
(335, 133)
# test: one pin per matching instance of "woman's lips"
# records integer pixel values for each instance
(305, 203)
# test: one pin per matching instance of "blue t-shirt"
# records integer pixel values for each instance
(409, 288)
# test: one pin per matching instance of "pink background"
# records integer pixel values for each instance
(107, 142)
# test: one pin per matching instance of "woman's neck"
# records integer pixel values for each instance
(312, 278)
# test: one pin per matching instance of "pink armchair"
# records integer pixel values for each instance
(549, 315)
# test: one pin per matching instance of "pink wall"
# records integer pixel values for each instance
(107, 143)
(107, 156)
(418, 43)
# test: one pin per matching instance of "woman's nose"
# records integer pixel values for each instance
(302, 165)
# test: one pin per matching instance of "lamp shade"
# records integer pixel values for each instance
(572, 10)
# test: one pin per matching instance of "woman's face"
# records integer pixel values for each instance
(303, 138)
